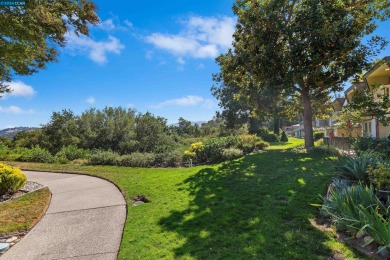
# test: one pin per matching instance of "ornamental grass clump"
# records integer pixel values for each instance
(11, 179)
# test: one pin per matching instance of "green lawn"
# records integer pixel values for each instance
(257, 207)
(22, 213)
(292, 142)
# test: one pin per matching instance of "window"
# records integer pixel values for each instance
(365, 128)
(369, 128)
(386, 92)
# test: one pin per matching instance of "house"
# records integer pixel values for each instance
(378, 77)
(378, 80)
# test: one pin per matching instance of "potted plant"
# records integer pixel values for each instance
(380, 178)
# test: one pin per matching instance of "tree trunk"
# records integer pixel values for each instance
(276, 125)
(307, 119)
(377, 128)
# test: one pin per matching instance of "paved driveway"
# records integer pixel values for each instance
(85, 220)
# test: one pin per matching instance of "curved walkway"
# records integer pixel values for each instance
(84, 220)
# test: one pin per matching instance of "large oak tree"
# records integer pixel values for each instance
(310, 47)
(30, 35)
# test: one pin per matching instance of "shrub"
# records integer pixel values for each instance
(355, 168)
(267, 135)
(11, 179)
(324, 150)
(247, 143)
(343, 206)
(231, 153)
(318, 135)
(284, 137)
(61, 158)
(71, 152)
(382, 145)
(41, 155)
(380, 177)
(100, 157)
(261, 145)
(137, 160)
(168, 159)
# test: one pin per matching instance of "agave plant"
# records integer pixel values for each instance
(355, 168)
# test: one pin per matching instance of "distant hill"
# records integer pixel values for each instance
(11, 132)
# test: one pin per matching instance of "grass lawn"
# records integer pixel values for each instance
(256, 207)
(292, 142)
(22, 213)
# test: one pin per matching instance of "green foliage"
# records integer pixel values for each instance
(137, 159)
(343, 206)
(355, 168)
(381, 146)
(100, 157)
(267, 135)
(324, 149)
(380, 175)
(71, 153)
(168, 159)
(318, 135)
(30, 34)
(11, 179)
(301, 48)
(284, 137)
(231, 154)
(248, 143)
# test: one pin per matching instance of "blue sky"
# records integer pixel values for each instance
(155, 56)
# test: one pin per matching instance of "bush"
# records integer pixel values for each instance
(284, 138)
(382, 145)
(261, 145)
(267, 135)
(231, 154)
(100, 157)
(380, 177)
(355, 168)
(71, 152)
(324, 150)
(11, 179)
(137, 160)
(343, 206)
(41, 155)
(318, 135)
(247, 143)
(168, 159)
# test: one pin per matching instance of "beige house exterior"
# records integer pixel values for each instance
(379, 78)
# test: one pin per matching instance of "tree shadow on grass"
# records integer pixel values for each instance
(257, 207)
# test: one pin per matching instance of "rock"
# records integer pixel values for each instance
(137, 203)
(12, 244)
(3, 247)
(11, 239)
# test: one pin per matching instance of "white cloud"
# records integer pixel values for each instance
(107, 25)
(185, 102)
(202, 37)
(180, 60)
(129, 24)
(90, 100)
(13, 110)
(20, 89)
(96, 50)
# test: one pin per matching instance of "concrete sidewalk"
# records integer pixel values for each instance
(85, 220)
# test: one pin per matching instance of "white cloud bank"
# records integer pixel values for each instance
(96, 50)
(19, 89)
(14, 110)
(185, 102)
(202, 37)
